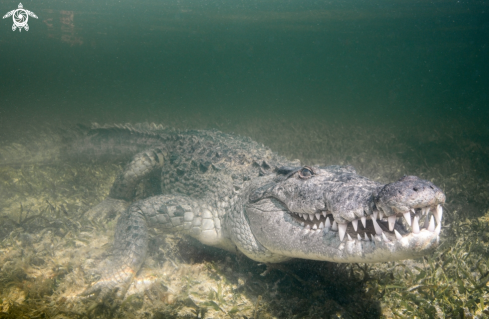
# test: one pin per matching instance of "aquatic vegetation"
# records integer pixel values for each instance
(453, 283)
(50, 250)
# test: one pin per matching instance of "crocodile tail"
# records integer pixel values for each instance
(113, 143)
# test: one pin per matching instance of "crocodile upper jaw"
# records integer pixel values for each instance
(279, 231)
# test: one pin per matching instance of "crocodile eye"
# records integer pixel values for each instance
(305, 172)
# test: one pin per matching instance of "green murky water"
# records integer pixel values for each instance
(391, 87)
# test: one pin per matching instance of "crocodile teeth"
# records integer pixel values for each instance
(300, 215)
(392, 222)
(398, 236)
(431, 227)
(438, 229)
(364, 221)
(385, 238)
(341, 230)
(355, 224)
(349, 237)
(324, 213)
(311, 217)
(302, 224)
(335, 226)
(308, 227)
(366, 237)
(378, 230)
(438, 214)
(318, 215)
(321, 225)
(407, 217)
(314, 227)
(381, 215)
(374, 214)
(416, 225)
(359, 237)
(327, 223)
(304, 216)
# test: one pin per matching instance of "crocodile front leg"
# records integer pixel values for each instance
(129, 251)
(171, 213)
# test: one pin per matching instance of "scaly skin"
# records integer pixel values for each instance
(230, 192)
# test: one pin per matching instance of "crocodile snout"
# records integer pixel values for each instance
(410, 192)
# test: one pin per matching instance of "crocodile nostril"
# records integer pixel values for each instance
(415, 189)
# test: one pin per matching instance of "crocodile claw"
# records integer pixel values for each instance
(112, 286)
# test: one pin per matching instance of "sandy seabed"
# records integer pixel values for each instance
(50, 251)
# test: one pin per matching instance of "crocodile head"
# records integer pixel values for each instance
(331, 213)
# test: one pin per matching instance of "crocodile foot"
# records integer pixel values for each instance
(112, 287)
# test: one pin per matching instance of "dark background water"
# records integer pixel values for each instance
(374, 62)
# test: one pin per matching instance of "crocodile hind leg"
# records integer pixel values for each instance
(172, 213)
(122, 192)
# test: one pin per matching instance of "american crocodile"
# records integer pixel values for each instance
(233, 193)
